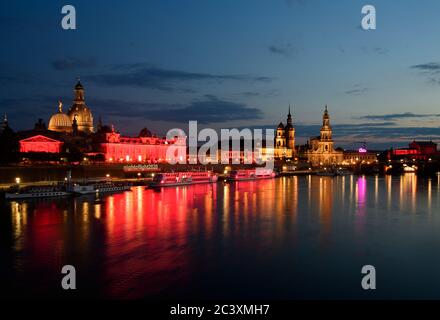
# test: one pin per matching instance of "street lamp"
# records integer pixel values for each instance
(17, 180)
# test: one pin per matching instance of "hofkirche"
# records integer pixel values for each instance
(318, 151)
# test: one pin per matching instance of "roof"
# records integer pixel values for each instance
(424, 143)
(79, 85)
(23, 135)
(39, 138)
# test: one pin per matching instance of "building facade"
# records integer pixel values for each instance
(361, 156)
(417, 150)
(74, 133)
(40, 143)
(144, 148)
(321, 149)
(285, 139)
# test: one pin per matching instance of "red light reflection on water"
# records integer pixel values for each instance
(144, 242)
(148, 234)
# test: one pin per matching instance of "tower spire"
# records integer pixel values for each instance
(5, 123)
(289, 118)
(79, 93)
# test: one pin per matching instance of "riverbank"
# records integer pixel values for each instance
(53, 173)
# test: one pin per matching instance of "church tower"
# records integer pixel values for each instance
(280, 140)
(4, 123)
(326, 132)
(290, 133)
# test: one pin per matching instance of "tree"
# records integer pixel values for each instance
(9, 146)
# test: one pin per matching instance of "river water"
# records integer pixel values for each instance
(284, 238)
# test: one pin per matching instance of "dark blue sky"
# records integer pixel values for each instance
(228, 63)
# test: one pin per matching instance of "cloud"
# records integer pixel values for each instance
(380, 50)
(251, 94)
(341, 130)
(286, 50)
(209, 109)
(357, 91)
(395, 116)
(71, 63)
(144, 76)
(379, 136)
(374, 50)
(260, 93)
(431, 67)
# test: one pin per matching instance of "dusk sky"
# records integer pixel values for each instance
(229, 63)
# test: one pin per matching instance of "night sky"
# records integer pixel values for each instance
(228, 63)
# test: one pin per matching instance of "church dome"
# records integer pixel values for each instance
(80, 112)
(83, 116)
(60, 121)
(145, 133)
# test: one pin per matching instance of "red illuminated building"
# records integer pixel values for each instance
(417, 150)
(144, 148)
(73, 136)
(40, 143)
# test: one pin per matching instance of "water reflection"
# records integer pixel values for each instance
(186, 241)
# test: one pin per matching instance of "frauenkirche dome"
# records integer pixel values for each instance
(80, 112)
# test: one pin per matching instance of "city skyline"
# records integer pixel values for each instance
(219, 157)
(149, 68)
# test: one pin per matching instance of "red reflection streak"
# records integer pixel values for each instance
(148, 235)
(44, 240)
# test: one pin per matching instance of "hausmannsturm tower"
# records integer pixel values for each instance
(285, 139)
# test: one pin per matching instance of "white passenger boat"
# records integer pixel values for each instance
(170, 179)
(250, 174)
(98, 187)
(37, 192)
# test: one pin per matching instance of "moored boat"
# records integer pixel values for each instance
(36, 192)
(97, 187)
(250, 174)
(170, 179)
(333, 172)
(326, 173)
